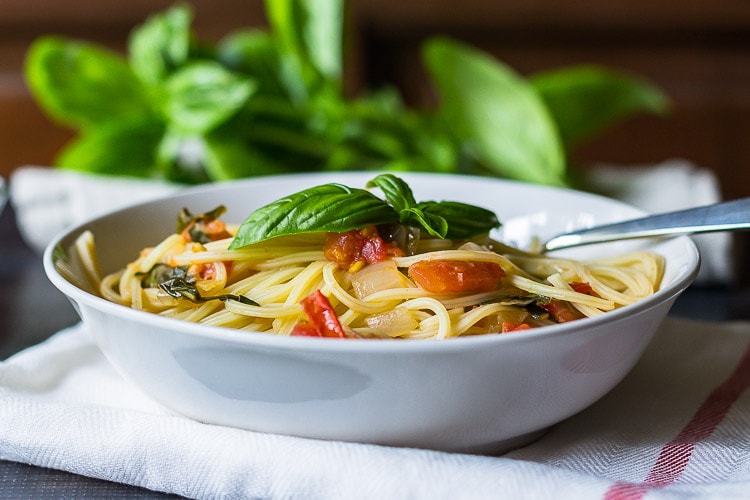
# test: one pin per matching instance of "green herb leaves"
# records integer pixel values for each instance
(161, 44)
(82, 85)
(496, 113)
(585, 99)
(338, 208)
(269, 100)
(444, 219)
(177, 282)
(330, 207)
(203, 95)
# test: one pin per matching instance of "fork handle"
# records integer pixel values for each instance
(727, 216)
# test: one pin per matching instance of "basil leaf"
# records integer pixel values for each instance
(445, 219)
(463, 221)
(433, 223)
(323, 36)
(186, 219)
(400, 196)
(396, 191)
(127, 149)
(330, 207)
(253, 53)
(495, 112)
(161, 44)
(309, 36)
(161, 273)
(203, 95)
(82, 85)
(226, 157)
(178, 283)
(586, 99)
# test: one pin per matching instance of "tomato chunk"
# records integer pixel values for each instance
(305, 330)
(583, 287)
(510, 326)
(448, 276)
(322, 320)
(560, 312)
(358, 245)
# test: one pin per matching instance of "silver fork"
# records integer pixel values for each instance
(727, 216)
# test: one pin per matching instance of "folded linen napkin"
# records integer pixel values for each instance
(676, 427)
(48, 200)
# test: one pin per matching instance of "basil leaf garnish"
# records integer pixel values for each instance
(330, 207)
(396, 191)
(433, 223)
(462, 220)
(400, 196)
(338, 208)
(445, 219)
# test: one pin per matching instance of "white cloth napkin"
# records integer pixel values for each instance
(48, 200)
(677, 427)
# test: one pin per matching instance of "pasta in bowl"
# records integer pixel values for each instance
(217, 320)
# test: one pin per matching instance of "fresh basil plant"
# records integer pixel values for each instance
(268, 101)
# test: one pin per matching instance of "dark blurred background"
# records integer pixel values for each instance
(697, 52)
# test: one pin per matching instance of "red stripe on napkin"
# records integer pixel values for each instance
(676, 454)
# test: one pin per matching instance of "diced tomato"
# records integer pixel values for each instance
(447, 276)
(204, 230)
(509, 326)
(358, 245)
(322, 320)
(559, 311)
(207, 270)
(583, 287)
(374, 250)
(305, 330)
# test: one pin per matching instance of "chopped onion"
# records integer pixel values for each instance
(376, 277)
(473, 247)
(393, 323)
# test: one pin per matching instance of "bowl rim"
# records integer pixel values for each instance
(250, 338)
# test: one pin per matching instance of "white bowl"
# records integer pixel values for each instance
(477, 394)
